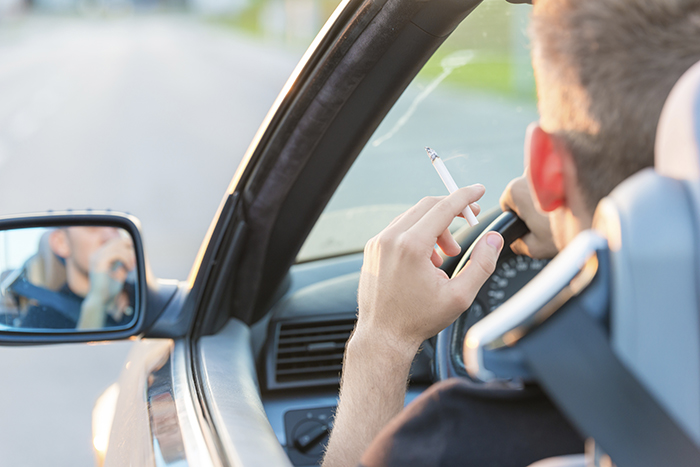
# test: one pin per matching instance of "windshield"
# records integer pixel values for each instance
(471, 103)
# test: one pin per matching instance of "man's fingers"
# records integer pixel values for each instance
(480, 266)
(125, 256)
(406, 220)
(434, 222)
(519, 247)
(448, 244)
(475, 208)
(436, 258)
(530, 245)
(506, 200)
(395, 220)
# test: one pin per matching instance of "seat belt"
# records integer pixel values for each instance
(571, 356)
(67, 306)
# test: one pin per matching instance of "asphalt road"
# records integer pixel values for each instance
(147, 115)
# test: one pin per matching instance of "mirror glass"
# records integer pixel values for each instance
(67, 278)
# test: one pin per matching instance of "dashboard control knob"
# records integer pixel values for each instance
(309, 434)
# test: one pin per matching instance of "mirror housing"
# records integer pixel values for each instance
(141, 292)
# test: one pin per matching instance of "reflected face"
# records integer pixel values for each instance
(82, 242)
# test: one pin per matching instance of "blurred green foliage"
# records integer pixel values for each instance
(495, 32)
(246, 20)
(250, 18)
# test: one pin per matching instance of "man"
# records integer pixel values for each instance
(603, 69)
(97, 261)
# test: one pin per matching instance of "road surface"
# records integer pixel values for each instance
(149, 115)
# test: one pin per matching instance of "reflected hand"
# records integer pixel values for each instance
(538, 243)
(115, 258)
(109, 267)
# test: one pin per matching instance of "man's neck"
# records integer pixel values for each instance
(78, 281)
(566, 225)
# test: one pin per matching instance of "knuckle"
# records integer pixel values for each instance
(429, 200)
(485, 264)
(389, 241)
(381, 241)
(404, 243)
(520, 247)
(372, 243)
(505, 200)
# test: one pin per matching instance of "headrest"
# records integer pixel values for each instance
(651, 223)
(677, 151)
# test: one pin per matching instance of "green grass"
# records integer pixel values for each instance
(247, 21)
(494, 32)
(492, 73)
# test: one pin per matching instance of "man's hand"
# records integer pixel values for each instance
(538, 243)
(404, 298)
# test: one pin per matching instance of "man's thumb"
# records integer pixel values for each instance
(481, 264)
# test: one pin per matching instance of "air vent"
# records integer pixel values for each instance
(310, 352)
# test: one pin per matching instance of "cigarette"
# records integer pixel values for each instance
(450, 183)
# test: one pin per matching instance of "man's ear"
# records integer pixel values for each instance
(58, 242)
(545, 159)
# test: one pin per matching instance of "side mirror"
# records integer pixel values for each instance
(71, 277)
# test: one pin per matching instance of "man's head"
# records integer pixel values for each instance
(603, 70)
(77, 245)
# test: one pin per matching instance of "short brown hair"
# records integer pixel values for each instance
(604, 69)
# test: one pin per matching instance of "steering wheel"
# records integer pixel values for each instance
(511, 274)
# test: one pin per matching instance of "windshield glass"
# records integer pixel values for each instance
(471, 103)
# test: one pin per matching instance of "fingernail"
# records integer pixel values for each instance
(477, 185)
(495, 240)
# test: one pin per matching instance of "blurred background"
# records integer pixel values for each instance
(147, 106)
(143, 106)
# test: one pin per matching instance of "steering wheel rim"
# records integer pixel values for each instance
(511, 227)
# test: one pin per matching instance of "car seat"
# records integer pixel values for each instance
(611, 327)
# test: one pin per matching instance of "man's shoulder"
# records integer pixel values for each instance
(448, 425)
(424, 430)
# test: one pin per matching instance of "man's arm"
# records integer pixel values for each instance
(404, 298)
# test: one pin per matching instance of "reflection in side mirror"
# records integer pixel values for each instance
(67, 278)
